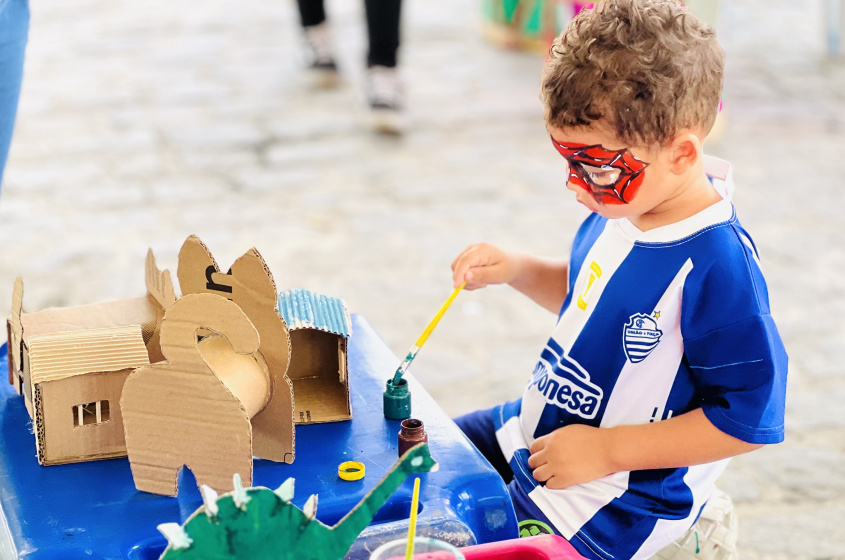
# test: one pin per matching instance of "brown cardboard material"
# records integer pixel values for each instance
(318, 370)
(70, 365)
(194, 409)
(76, 359)
(160, 288)
(250, 285)
(81, 370)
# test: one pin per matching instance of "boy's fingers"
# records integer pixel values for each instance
(557, 483)
(542, 473)
(537, 445)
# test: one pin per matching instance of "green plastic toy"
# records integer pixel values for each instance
(262, 524)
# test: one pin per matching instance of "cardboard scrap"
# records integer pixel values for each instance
(182, 411)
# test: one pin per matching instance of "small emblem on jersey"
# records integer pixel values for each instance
(534, 527)
(641, 337)
(564, 383)
(593, 275)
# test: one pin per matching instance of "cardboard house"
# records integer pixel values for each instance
(319, 330)
(70, 364)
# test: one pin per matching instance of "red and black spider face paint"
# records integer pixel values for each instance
(612, 177)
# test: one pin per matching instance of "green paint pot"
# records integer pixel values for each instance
(397, 400)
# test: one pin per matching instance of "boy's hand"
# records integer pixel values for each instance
(482, 264)
(570, 455)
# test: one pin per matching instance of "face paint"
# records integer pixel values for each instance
(612, 177)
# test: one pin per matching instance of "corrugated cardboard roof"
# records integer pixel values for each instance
(304, 309)
(61, 355)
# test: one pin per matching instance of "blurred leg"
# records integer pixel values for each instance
(383, 30)
(311, 12)
(14, 25)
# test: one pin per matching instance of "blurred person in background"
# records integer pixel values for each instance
(14, 26)
(384, 90)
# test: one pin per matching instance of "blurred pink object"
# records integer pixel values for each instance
(578, 6)
(541, 547)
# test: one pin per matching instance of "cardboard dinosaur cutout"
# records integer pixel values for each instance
(250, 285)
(262, 524)
(194, 409)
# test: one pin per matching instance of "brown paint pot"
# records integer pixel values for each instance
(412, 433)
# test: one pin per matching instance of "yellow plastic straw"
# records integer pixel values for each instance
(412, 528)
(425, 334)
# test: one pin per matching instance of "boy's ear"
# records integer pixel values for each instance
(686, 152)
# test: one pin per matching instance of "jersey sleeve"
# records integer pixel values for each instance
(732, 346)
(740, 374)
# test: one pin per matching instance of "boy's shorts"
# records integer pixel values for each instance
(479, 428)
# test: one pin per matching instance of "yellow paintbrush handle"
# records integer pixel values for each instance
(412, 527)
(425, 334)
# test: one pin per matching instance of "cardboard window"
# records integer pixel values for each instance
(89, 414)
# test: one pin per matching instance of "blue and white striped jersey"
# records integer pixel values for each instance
(655, 324)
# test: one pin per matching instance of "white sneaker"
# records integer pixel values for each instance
(322, 68)
(713, 537)
(384, 91)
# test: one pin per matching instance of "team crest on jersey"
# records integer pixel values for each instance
(564, 383)
(641, 337)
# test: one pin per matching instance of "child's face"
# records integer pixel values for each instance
(610, 178)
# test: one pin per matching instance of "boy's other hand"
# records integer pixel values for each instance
(574, 454)
(481, 264)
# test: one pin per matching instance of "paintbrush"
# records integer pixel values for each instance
(397, 399)
(412, 526)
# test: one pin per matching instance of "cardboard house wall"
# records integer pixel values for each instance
(319, 330)
(70, 365)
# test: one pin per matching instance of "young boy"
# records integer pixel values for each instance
(665, 360)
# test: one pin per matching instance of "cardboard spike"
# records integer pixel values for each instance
(175, 535)
(15, 331)
(285, 491)
(310, 508)
(159, 283)
(239, 493)
(209, 498)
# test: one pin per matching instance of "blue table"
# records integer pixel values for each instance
(93, 511)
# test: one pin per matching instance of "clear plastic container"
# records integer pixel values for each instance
(424, 549)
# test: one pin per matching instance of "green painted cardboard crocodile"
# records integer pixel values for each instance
(259, 523)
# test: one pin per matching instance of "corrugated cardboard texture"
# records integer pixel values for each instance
(250, 285)
(159, 283)
(119, 313)
(242, 375)
(67, 354)
(160, 289)
(318, 372)
(181, 413)
(59, 438)
(15, 331)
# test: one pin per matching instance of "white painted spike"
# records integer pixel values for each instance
(175, 535)
(209, 498)
(239, 494)
(285, 491)
(310, 509)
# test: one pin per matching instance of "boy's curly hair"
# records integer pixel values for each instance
(650, 67)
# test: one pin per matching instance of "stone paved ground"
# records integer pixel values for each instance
(141, 123)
